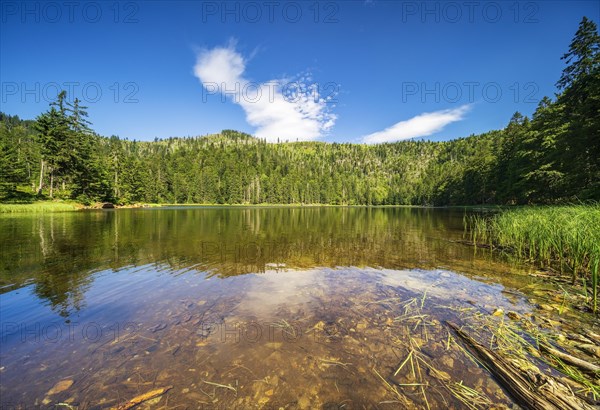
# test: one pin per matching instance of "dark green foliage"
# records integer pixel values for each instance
(13, 170)
(580, 83)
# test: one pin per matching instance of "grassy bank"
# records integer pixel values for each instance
(39, 207)
(564, 237)
(54, 206)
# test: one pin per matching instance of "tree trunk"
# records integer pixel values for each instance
(258, 190)
(41, 185)
(51, 183)
(116, 188)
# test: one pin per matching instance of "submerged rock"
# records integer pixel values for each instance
(60, 387)
(513, 315)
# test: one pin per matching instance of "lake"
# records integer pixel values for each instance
(249, 307)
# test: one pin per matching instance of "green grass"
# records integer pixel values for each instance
(562, 237)
(38, 207)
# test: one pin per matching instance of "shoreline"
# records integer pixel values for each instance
(69, 206)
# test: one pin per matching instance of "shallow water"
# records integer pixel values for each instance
(246, 308)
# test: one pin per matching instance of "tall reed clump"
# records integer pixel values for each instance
(37, 207)
(565, 237)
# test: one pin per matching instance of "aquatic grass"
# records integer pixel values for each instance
(583, 384)
(401, 398)
(412, 318)
(594, 267)
(38, 207)
(286, 328)
(417, 364)
(334, 363)
(565, 237)
(414, 357)
(221, 386)
(586, 385)
(471, 398)
(519, 341)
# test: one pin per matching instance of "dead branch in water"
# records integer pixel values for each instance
(575, 361)
(142, 398)
(531, 390)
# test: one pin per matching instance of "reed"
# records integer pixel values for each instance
(38, 207)
(562, 237)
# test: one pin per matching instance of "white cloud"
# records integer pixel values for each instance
(422, 125)
(279, 109)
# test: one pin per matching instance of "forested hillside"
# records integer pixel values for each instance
(552, 157)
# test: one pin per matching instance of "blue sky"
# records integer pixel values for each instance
(359, 71)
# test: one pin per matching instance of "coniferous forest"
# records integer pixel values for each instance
(552, 157)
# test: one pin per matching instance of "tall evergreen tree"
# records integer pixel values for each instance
(580, 85)
(54, 137)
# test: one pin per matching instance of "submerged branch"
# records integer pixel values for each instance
(533, 391)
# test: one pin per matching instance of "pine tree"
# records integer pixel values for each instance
(12, 167)
(54, 138)
(580, 83)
